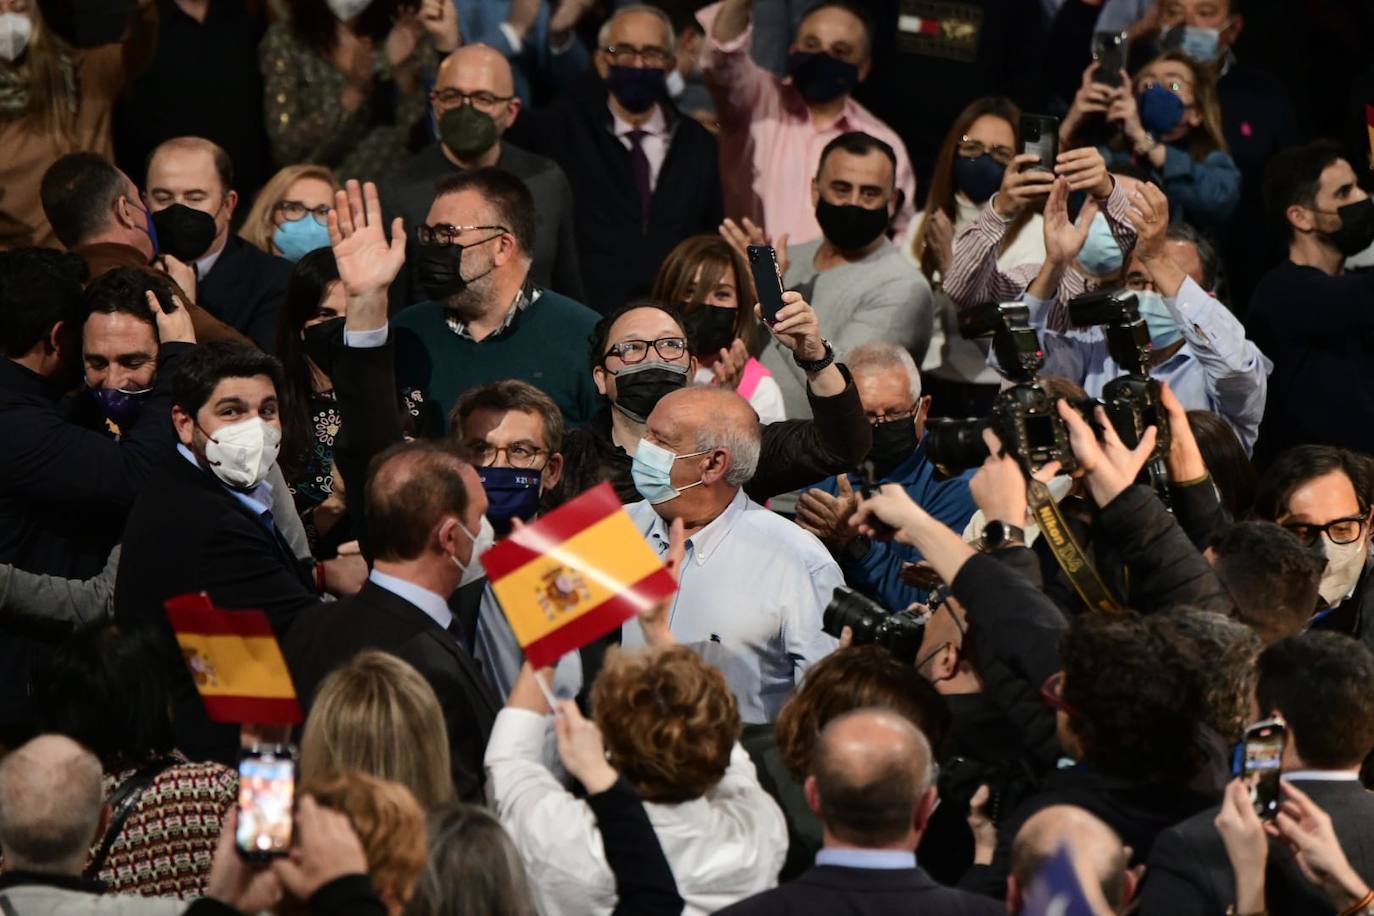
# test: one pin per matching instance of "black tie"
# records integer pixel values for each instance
(640, 162)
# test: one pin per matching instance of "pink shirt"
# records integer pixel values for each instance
(769, 147)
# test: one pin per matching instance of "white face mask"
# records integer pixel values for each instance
(15, 31)
(241, 454)
(1344, 564)
(481, 543)
(347, 10)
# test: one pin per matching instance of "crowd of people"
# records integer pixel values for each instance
(995, 379)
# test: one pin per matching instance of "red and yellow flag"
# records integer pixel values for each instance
(1369, 126)
(235, 662)
(574, 575)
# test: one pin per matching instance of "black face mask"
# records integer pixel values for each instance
(318, 342)
(1357, 227)
(820, 77)
(710, 329)
(439, 269)
(850, 227)
(893, 443)
(638, 389)
(184, 232)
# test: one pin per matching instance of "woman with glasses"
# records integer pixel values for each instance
(968, 171)
(1168, 122)
(344, 80)
(290, 215)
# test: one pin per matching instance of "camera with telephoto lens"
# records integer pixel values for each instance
(1131, 400)
(1024, 416)
(899, 632)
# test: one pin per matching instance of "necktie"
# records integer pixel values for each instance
(640, 163)
(455, 629)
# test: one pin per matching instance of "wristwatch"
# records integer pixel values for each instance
(1149, 143)
(812, 367)
(999, 534)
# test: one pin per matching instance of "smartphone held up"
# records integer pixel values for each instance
(1261, 764)
(267, 802)
(763, 264)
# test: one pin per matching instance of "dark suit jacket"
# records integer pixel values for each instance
(827, 889)
(621, 252)
(409, 193)
(327, 636)
(188, 534)
(245, 290)
(1189, 872)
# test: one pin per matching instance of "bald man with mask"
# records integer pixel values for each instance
(473, 104)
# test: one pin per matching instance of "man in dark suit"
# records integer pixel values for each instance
(1319, 682)
(873, 786)
(208, 526)
(644, 177)
(424, 506)
(474, 103)
(190, 192)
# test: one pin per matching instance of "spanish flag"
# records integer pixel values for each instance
(574, 575)
(1369, 126)
(235, 662)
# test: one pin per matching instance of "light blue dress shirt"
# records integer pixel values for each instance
(751, 592)
(433, 604)
(1217, 369)
(876, 859)
(257, 500)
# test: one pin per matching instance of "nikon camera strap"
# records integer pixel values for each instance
(1067, 550)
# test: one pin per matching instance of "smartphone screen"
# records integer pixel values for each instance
(1261, 762)
(267, 796)
(1109, 50)
(1040, 135)
(763, 263)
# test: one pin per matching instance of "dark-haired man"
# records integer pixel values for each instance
(872, 784)
(1272, 577)
(424, 507)
(208, 525)
(485, 320)
(190, 192)
(89, 202)
(862, 287)
(780, 127)
(1319, 684)
(1309, 315)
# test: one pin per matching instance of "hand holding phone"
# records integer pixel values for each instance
(763, 264)
(1261, 764)
(267, 799)
(1040, 136)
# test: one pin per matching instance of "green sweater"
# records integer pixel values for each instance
(547, 345)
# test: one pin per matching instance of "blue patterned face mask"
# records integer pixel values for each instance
(1100, 255)
(652, 471)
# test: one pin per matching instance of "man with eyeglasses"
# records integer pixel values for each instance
(1323, 496)
(473, 103)
(781, 126)
(189, 190)
(1199, 347)
(644, 177)
(485, 318)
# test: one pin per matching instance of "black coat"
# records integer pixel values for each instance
(620, 253)
(188, 534)
(1189, 872)
(327, 636)
(246, 289)
(827, 889)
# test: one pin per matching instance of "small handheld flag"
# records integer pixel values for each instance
(1369, 126)
(235, 662)
(574, 575)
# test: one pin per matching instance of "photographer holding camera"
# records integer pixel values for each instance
(1198, 346)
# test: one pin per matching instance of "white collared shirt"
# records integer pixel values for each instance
(1322, 776)
(725, 846)
(654, 143)
(751, 592)
(206, 264)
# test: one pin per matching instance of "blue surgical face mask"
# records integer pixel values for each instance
(978, 177)
(1163, 329)
(1160, 110)
(511, 493)
(652, 471)
(297, 238)
(1199, 42)
(1100, 255)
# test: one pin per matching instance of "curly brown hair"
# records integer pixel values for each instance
(668, 719)
(855, 678)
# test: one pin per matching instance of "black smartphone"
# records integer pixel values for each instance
(1040, 135)
(1109, 50)
(1261, 759)
(267, 801)
(763, 261)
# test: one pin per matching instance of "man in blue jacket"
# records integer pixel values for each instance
(890, 388)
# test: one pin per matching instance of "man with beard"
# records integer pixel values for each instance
(486, 320)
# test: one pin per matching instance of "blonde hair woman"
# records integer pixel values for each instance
(377, 715)
(290, 215)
